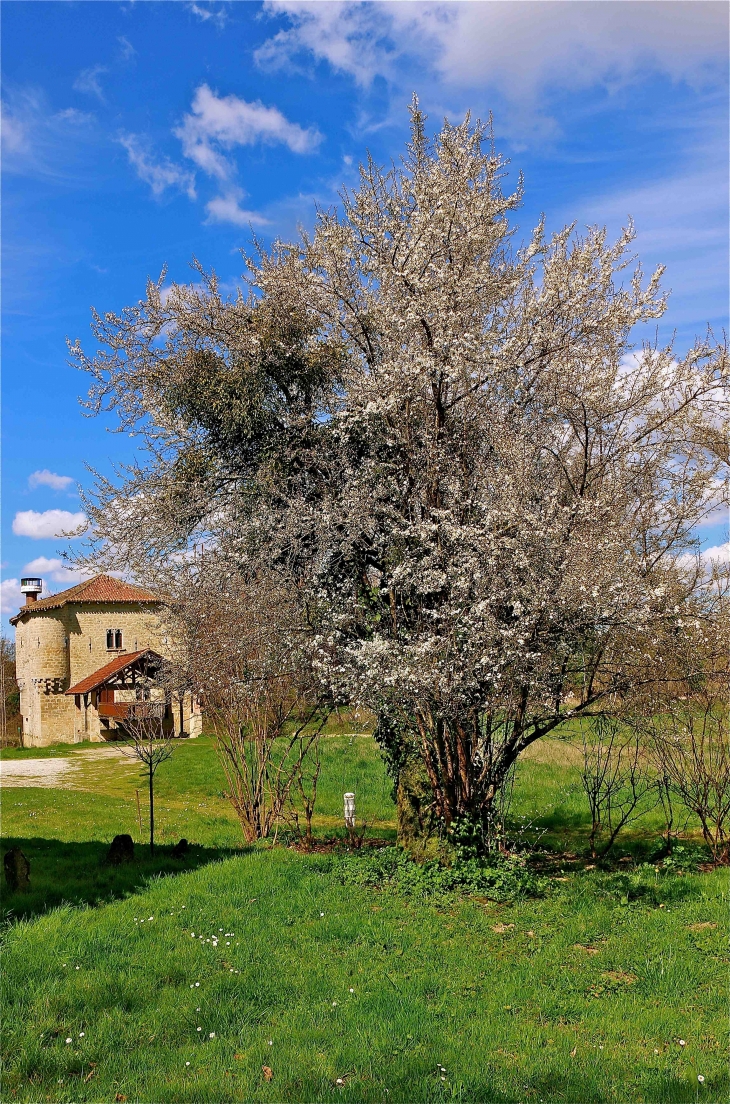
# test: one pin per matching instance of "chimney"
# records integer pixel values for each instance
(31, 588)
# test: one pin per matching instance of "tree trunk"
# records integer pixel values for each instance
(152, 813)
(414, 802)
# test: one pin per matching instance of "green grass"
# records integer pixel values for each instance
(512, 1012)
(65, 833)
(582, 994)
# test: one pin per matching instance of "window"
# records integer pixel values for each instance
(113, 639)
(117, 638)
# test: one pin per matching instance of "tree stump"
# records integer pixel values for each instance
(121, 850)
(17, 870)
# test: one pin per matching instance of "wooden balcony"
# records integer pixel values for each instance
(136, 711)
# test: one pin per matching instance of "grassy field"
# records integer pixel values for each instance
(610, 986)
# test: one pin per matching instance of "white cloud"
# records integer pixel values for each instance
(127, 49)
(218, 124)
(50, 570)
(46, 478)
(719, 553)
(517, 47)
(229, 121)
(11, 597)
(37, 139)
(354, 38)
(88, 81)
(205, 14)
(14, 132)
(54, 570)
(682, 222)
(225, 208)
(50, 523)
(160, 175)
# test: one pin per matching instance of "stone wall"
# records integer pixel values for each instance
(87, 625)
(42, 664)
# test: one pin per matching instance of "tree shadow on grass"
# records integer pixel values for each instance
(79, 874)
(650, 1086)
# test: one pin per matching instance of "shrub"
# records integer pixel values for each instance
(392, 869)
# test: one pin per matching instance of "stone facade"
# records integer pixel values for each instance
(63, 639)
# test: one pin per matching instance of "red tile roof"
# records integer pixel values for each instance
(102, 588)
(92, 682)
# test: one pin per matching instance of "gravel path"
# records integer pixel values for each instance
(52, 773)
(37, 772)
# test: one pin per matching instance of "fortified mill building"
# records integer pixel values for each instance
(87, 657)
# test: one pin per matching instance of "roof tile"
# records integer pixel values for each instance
(102, 588)
(98, 678)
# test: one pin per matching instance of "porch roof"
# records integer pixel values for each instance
(115, 667)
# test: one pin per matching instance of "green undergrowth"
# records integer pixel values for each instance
(276, 959)
(392, 869)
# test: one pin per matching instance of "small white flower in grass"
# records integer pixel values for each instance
(197, 984)
(271, 1042)
(321, 914)
(352, 990)
(700, 1078)
(220, 929)
(198, 1029)
(334, 1004)
(150, 917)
(81, 1034)
(212, 1035)
(339, 1081)
(78, 967)
(69, 1040)
(197, 1010)
(228, 942)
(442, 1077)
(681, 1041)
(187, 1063)
(655, 1050)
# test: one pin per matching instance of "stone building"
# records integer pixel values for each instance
(86, 656)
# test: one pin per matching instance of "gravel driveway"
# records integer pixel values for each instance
(53, 772)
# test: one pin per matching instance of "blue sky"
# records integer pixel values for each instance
(136, 135)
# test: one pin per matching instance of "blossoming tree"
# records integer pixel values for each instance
(482, 491)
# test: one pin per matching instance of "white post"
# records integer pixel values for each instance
(349, 810)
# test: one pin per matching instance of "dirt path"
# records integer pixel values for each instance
(59, 773)
(37, 772)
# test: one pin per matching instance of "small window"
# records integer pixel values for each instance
(117, 638)
(110, 638)
(113, 639)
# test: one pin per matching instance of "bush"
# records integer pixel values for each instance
(392, 869)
